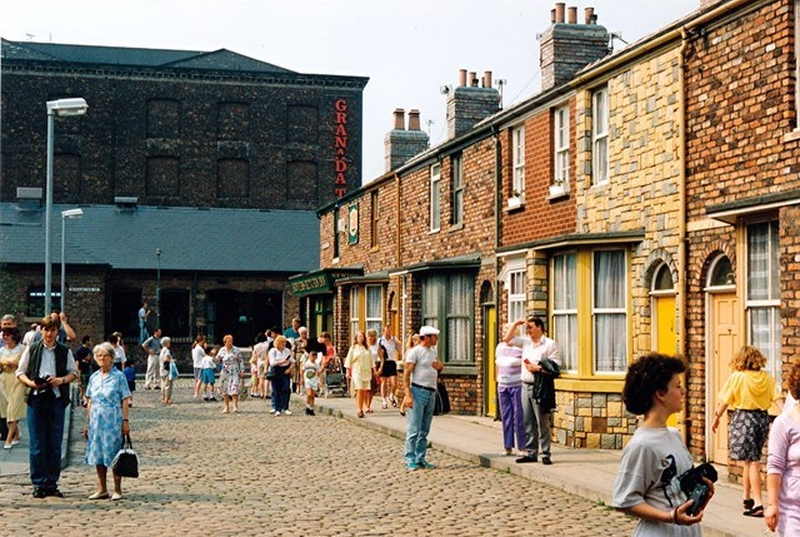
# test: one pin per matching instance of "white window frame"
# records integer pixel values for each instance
(600, 110)
(763, 305)
(565, 308)
(517, 294)
(440, 301)
(355, 312)
(601, 312)
(561, 147)
(435, 202)
(374, 312)
(518, 162)
(457, 206)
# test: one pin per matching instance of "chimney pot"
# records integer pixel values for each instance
(560, 11)
(589, 15)
(462, 77)
(413, 120)
(553, 16)
(399, 119)
(572, 15)
(473, 79)
(487, 79)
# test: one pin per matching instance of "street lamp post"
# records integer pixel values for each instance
(65, 215)
(158, 287)
(61, 107)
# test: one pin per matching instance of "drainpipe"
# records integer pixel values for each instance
(682, 241)
(498, 207)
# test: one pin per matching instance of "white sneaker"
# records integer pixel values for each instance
(287, 412)
(277, 414)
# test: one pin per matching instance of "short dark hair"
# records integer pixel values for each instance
(261, 337)
(536, 321)
(14, 332)
(649, 374)
(85, 339)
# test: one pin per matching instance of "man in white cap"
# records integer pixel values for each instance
(420, 373)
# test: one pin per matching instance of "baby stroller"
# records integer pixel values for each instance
(335, 381)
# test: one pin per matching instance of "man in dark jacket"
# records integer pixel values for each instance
(47, 367)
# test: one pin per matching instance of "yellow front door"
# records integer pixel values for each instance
(666, 342)
(489, 344)
(723, 332)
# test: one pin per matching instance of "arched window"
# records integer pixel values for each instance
(721, 273)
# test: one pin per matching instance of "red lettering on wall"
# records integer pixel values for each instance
(340, 139)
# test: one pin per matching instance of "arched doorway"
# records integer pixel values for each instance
(489, 313)
(722, 342)
(664, 333)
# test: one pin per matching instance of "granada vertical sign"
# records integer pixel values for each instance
(340, 139)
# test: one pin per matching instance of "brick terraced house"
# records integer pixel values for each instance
(644, 199)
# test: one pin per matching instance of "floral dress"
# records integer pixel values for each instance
(232, 367)
(106, 393)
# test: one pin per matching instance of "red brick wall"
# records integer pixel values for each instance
(541, 217)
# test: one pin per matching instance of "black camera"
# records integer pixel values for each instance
(695, 488)
(41, 381)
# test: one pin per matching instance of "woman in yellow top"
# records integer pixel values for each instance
(749, 391)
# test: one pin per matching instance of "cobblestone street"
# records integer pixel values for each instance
(207, 473)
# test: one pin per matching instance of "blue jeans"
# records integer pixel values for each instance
(143, 333)
(418, 424)
(45, 431)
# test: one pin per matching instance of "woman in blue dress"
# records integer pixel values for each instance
(107, 398)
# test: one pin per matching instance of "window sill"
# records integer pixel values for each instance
(556, 192)
(792, 136)
(457, 227)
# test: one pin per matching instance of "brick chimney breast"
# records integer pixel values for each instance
(565, 49)
(469, 104)
(401, 145)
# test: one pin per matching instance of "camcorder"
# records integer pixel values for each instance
(695, 488)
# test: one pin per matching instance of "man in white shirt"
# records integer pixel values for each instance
(420, 373)
(152, 346)
(535, 348)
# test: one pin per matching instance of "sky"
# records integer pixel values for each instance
(409, 49)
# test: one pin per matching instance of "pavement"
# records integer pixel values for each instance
(477, 440)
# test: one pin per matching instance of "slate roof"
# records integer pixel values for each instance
(236, 240)
(221, 59)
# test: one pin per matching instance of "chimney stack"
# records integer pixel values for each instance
(567, 48)
(470, 103)
(400, 145)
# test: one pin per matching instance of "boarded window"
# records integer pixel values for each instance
(233, 178)
(233, 121)
(163, 118)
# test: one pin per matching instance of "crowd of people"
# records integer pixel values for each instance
(37, 367)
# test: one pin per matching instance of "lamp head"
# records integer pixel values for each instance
(72, 213)
(74, 106)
